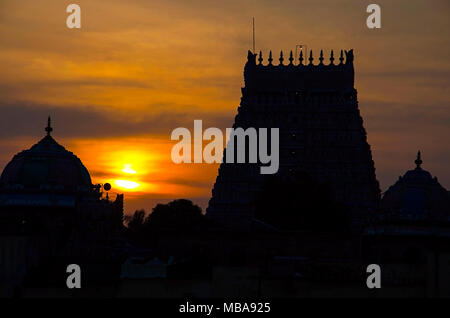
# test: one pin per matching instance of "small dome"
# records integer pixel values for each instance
(46, 165)
(417, 195)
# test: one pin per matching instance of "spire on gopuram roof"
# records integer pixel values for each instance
(49, 128)
(281, 59)
(418, 160)
(300, 59)
(311, 59)
(321, 57)
(341, 57)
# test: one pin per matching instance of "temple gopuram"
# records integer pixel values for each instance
(321, 131)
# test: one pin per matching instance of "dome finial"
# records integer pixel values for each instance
(418, 161)
(49, 128)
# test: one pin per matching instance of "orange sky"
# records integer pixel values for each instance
(137, 69)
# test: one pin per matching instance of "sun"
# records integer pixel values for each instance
(126, 184)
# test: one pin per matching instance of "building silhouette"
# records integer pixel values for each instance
(410, 236)
(417, 196)
(49, 211)
(315, 107)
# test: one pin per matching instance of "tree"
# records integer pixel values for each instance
(135, 223)
(179, 214)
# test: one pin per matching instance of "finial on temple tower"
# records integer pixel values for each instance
(291, 58)
(331, 57)
(260, 58)
(301, 57)
(349, 57)
(270, 57)
(341, 57)
(311, 59)
(49, 128)
(321, 57)
(281, 59)
(418, 161)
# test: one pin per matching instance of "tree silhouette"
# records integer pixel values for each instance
(135, 223)
(179, 214)
(297, 202)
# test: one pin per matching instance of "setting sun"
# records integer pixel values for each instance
(129, 185)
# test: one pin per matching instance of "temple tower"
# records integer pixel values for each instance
(321, 131)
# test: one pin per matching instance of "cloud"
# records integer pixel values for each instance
(25, 119)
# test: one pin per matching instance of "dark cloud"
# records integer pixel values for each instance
(206, 184)
(25, 119)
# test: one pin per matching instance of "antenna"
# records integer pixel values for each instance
(253, 35)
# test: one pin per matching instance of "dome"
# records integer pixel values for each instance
(46, 165)
(417, 195)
